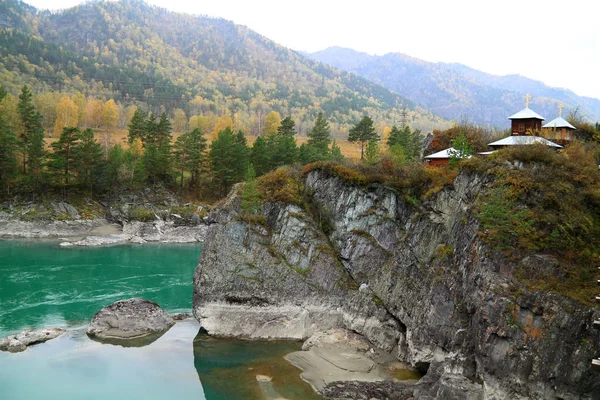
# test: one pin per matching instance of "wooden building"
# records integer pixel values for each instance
(441, 158)
(525, 121)
(559, 129)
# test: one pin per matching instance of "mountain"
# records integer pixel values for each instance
(144, 55)
(456, 91)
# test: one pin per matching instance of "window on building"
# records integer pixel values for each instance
(521, 128)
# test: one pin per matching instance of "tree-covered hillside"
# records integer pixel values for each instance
(139, 54)
(455, 91)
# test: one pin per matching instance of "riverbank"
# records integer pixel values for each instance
(136, 218)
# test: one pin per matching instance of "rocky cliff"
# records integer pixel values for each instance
(414, 279)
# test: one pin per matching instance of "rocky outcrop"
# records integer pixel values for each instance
(129, 319)
(412, 278)
(20, 341)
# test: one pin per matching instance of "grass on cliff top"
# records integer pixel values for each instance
(538, 201)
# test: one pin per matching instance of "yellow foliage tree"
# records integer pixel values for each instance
(137, 148)
(80, 101)
(110, 114)
(179, 120)
(67, 115)
(272, 122)
(93, 113)
(10, 112)
(222, 123)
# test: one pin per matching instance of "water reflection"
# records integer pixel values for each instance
(74, 367)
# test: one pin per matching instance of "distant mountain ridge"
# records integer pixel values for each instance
(456, 91)
(141, 54)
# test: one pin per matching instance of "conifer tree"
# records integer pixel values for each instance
(137, 126)
(363, 132)
(8, 162)
(88, 155)
(260, 156)
(410, 141)
(63, 157)
(318, 140)
(372, 152)
(287, 127)
(31, 122)
(336, 151)
(196, 147)
(242, 154)
(223, 159)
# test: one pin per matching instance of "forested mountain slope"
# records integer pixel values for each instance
(455, 91)
(144, 55)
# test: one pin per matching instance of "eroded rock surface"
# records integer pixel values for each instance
(433, 294)
(129, 319)
(20, 341)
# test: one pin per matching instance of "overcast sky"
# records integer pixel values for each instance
(555, 42)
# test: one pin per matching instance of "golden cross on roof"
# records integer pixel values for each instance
(527, 98)
(560, 107)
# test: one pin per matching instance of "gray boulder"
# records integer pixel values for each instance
(19, 342)
(129, 319)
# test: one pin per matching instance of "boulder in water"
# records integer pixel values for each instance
(131, 319)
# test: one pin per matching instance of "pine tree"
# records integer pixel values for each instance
(9, 165)
(336, 152)
(287, 127)
(196, 147)
(88, 156)
(63, 157)
(410, 141)
(223, 159)
(372, 152)
(36, 159)
(260, 156)
(318, 140)
(363, 132)
(137, 126)
(31, 122)
(242, 154)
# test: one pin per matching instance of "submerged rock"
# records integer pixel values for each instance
(129, 319)
(19, 342)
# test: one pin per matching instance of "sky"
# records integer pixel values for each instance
(556, 42)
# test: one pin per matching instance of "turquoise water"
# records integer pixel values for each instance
(42, 285)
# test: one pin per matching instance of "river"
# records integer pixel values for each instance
(44, 285)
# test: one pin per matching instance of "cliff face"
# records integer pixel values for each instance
(412, 279)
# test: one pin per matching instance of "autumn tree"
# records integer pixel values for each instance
(223, 122)
(272, 123)
(362, 133)
(67, 115)
(110, 114)
(93, 113)
(179, 120)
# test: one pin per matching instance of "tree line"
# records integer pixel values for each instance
(76, 161)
